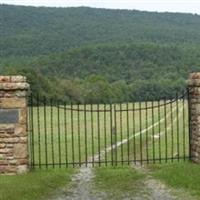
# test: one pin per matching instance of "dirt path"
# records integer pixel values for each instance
(82, 188)
(156, 189)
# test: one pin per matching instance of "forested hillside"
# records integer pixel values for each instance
(98, 55)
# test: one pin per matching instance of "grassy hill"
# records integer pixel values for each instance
(99, 54)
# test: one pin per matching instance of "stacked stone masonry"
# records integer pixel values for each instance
(13, 136)
(194, 105)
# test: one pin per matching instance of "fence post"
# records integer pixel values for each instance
(13, 125)
(194, 116)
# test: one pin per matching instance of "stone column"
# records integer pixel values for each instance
(13, 125)
(194, 112)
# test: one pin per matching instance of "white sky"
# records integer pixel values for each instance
(189, 6)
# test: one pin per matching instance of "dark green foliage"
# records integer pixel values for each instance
(99, 55)
(36, 31)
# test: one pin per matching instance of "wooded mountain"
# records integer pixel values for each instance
(99, 55)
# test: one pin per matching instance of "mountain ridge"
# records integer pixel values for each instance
(36, 31)
(99, 55)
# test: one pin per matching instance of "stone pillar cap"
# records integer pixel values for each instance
(194, 80)
(194, 75)
(13, 83)
(12, 79)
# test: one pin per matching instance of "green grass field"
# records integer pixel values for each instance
(63, 136)
(166, 140)
(35, 185)
(182, 176)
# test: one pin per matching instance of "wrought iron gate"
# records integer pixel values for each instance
(63, 135)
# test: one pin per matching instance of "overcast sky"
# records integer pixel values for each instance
(189, 6)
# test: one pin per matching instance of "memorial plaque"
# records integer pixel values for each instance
(9, 116)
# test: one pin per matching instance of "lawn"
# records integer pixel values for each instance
(184, 176)
(63, 135)
(34, 185)
(166, 138)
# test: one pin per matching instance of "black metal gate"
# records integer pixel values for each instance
(63, 135)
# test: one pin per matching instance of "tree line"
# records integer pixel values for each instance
(99, 55)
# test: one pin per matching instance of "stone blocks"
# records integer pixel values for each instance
(13, 136)
(194, 101)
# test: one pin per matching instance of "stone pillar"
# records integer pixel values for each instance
(13, 125)
(194, 112)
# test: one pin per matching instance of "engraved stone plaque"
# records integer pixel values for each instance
(9, 116)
